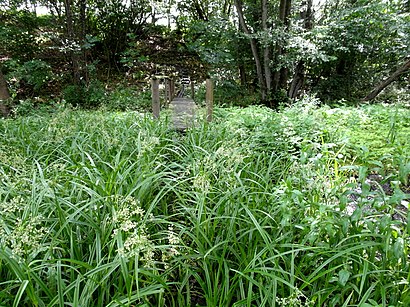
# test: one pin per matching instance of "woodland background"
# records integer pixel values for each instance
(258, 52)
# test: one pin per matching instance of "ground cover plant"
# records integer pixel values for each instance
(303, 207)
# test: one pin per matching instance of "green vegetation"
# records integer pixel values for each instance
(296, 194)
(302, 207)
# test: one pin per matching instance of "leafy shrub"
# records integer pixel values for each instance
(18, 28)
(30, 107)
(280, 98)
(228, 93)
(126, 98)
(95, 94)
(74, 95)
(92, 95)
(24, 108)
(30, 78)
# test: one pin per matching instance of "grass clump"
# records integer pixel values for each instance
(256, 209)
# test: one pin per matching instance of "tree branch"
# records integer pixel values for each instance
(393, 77)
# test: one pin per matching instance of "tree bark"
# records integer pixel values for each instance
(281, 76)
(298, 80)
(284, 72)
(82, 38)
(227, 8)
(200, 11)
(254, 48)
(242, 74)
(393, 77)
(267, 50)
(4, 96)
(71, 38)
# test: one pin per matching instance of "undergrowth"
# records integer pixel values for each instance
(255, 209)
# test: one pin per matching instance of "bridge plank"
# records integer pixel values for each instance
(183, 113)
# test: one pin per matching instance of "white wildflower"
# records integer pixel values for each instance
(172, 236)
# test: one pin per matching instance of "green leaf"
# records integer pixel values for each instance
(20, 292)
(356, 215)
(343, 277)
(398, 248)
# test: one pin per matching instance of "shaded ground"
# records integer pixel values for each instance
(379, 186)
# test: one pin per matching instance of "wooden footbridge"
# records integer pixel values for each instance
(182, 108)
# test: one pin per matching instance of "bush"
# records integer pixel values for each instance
(74, 95)
(93, 95)
(30, 107)
(228, 93)
(127, 98)
(29, 79)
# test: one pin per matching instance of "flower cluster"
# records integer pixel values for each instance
(296, 299)
(130, 229)
(57, 129)
(201, 182)
(23, 236)
(15, 205)
(223, 163)
(231, 153)
(174, 248)
(13, 160)
(146, 143)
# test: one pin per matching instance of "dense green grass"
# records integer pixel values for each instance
(114, 209)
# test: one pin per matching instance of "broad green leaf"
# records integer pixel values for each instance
(343, 277)
(398, 248)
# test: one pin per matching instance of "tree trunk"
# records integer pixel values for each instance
(393, 77)
(242, 74)
(71, 39)
(267, 51)
(83, 33)
(200, 11)
(406, 7)
(4, 96)
(284, 72)
(254, 48)
(281, 76)
(298, 80)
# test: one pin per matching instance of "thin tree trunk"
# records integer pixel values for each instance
(83, 22)
(393, 77)
(71, 36)
(298, 80)
(406, 7)
(227, 8)
(284, 72)
(266, 51)
(281, 76)
(242, 74)
(254, 48)
(200, 11)
(4, 96)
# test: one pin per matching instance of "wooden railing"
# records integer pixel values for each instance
(170, 94)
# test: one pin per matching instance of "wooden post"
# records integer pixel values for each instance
(167, 95)
(172, 89)
(4, 96)
(155, 98)
(192, 90)
(209, 99)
